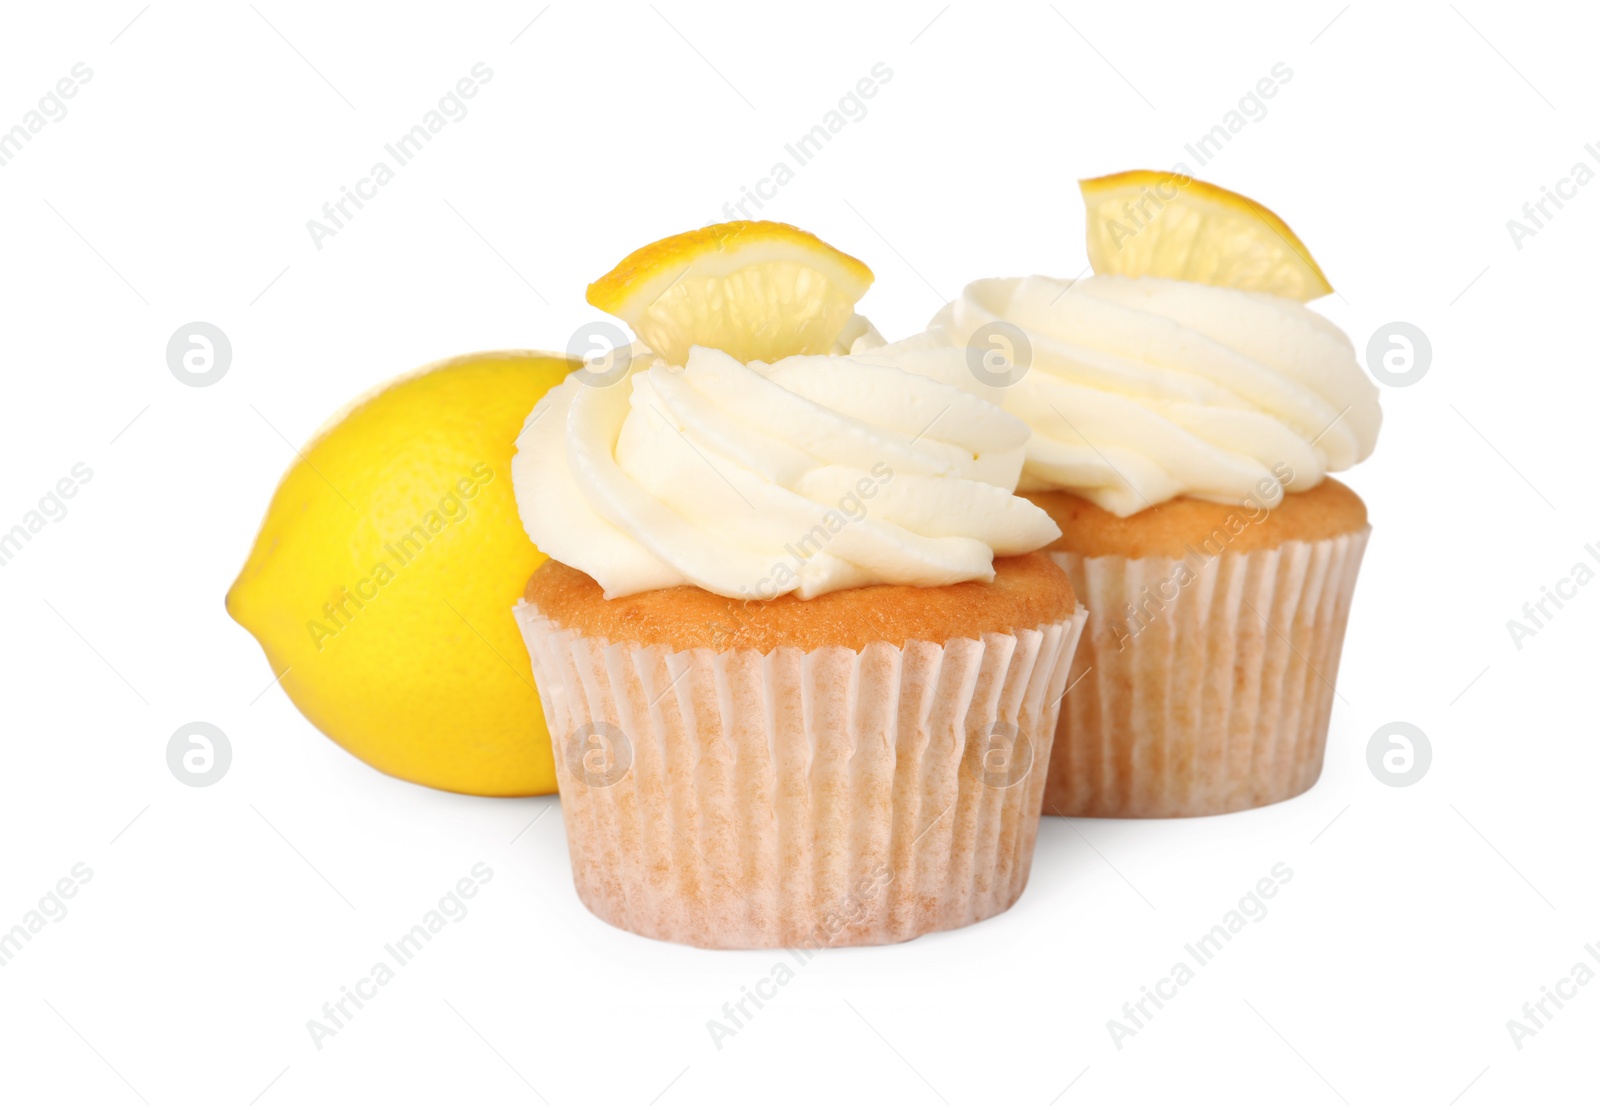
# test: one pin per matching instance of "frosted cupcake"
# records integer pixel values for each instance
(795, 639)
(1182, 436)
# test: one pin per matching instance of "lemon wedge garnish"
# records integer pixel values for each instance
(755, 289)
(1146, 223)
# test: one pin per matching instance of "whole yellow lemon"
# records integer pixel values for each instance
(382, 582)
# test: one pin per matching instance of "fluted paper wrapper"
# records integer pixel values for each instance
(1221, 700)
(800, 799)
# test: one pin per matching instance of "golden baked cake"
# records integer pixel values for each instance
(1027, 591)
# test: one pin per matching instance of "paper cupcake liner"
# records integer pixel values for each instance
(800, 799)
(1211, 701)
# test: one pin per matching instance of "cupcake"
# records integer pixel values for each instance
(1186, 409)
(799, 650)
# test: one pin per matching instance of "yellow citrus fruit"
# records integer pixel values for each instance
(382, 582)
(755, 289)
(1145, 223)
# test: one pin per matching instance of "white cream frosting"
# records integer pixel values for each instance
(812, 474)
(1144, 389)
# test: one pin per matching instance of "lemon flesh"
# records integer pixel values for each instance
(755, 289)
(1145, 223)
(382, 581)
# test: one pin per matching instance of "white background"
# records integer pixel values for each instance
(220, 920)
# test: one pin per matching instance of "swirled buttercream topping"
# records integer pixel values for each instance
(812, 474)
(1142, 389)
